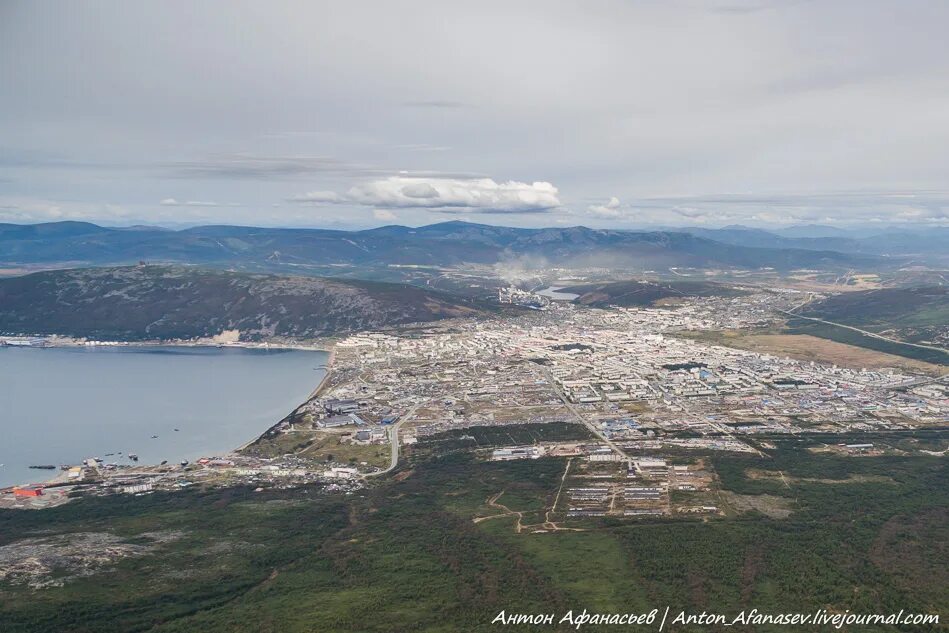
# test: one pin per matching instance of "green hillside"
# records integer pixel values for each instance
(866, 534)
(164, 302)
(915, 315)
(644, 293)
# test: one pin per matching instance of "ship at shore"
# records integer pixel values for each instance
(23, 341)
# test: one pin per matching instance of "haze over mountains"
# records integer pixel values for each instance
(454, 243)
(931, 242)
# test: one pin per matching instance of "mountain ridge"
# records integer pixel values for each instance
(444, 244)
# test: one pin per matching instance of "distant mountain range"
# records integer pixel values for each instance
(444, 244)
(166, 302)
(931, 243)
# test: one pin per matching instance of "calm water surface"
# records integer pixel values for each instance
(63, 405)
(553, 293)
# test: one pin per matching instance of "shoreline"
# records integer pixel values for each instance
(64, 342)
(313, 394)
(325, 345)
(329, 368)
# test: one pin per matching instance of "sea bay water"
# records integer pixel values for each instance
(63, 405)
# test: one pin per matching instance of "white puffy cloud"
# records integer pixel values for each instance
(448, 195)
(609, 210)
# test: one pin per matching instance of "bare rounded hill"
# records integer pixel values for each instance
(165, 302)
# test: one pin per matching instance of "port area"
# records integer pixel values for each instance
(49, 497)
(95, 478)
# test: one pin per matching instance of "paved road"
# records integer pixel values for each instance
(918, 382)
(579, 416)
(394, 443)
(865, 332)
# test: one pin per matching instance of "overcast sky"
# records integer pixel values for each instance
(355, 114)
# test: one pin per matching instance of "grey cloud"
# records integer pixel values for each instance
(172, 202)
(256, 101)
(753, 6)
(825, 199)
(236, 166)
(925, 207)
(328, 197)
(20, 158)
(220, 166)
(450, 105)
(421, 147)
(248, 166)
(420, 190)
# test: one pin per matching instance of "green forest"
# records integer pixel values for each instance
(867, 534)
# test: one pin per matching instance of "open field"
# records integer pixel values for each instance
(330, 447)
(824, 282)
(320, 446)
(807, 347)
(851, 337)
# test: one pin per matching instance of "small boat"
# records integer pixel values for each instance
(176, 430)
(184, 462)
(163, 462)
(133, 457)
(43, 467)
(154, 437)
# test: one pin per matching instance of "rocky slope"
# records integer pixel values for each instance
(164, 302)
